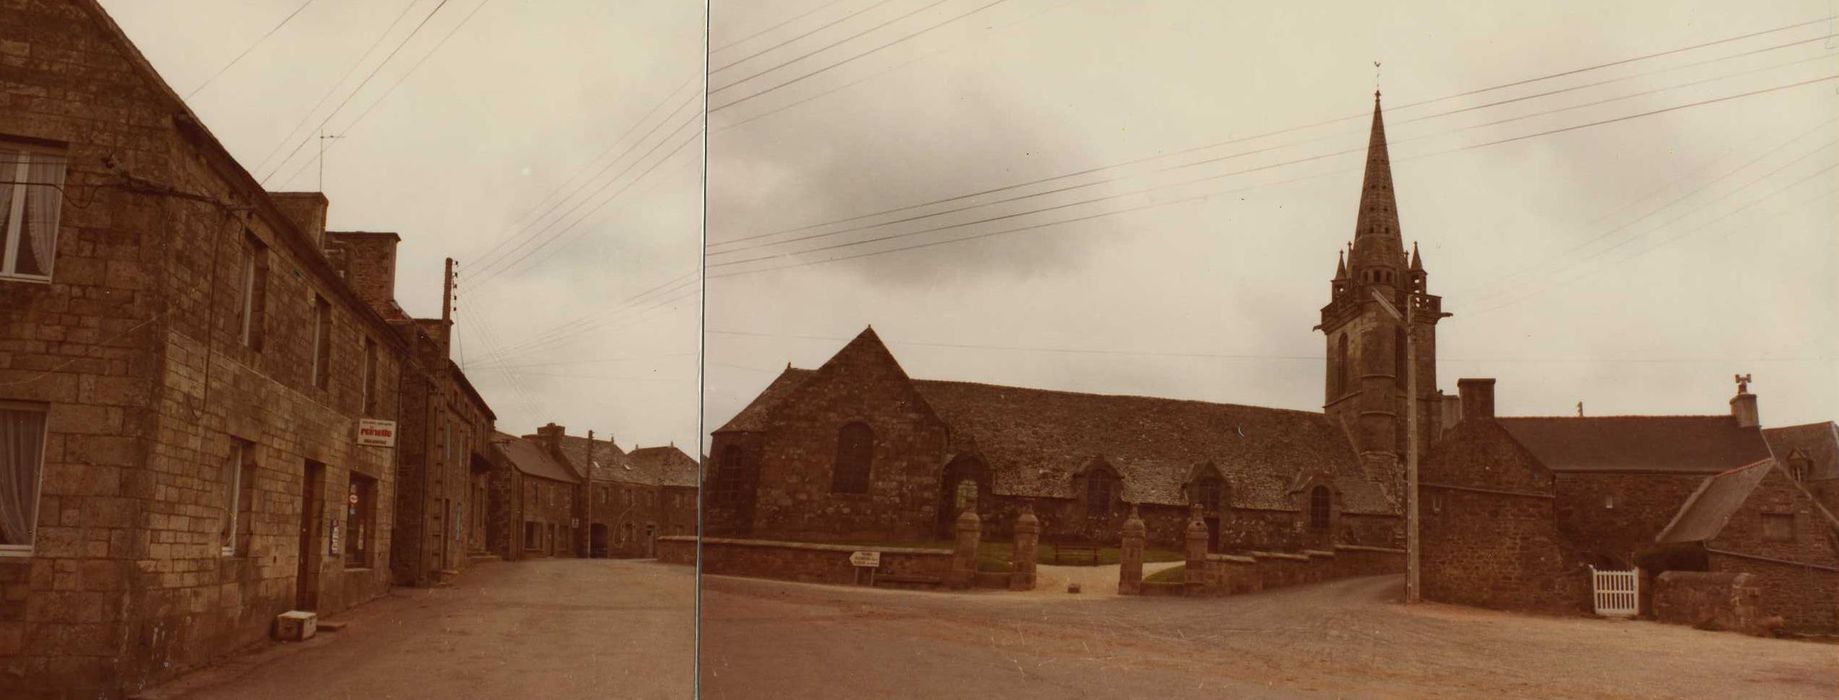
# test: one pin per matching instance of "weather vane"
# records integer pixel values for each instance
(1375, 78)
(1743, 383)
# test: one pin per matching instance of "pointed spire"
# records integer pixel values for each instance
(1417, 262)
(1376, 230)
(1340, 266)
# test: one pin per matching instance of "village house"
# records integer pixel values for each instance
(640, 496)
(1811, 455)
(536, 498)
(186, 371)
(857, 451)
(1518, 510)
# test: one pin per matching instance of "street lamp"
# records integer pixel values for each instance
(1412, 588)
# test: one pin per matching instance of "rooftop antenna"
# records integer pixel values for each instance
(322, 157)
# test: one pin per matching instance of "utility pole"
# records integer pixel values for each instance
(587, 509)
(447, 311)
(1413, 592)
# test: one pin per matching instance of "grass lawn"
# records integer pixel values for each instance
(1173, 574)
(998, 556)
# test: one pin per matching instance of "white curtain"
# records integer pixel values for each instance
(22, 448)
(43, 197)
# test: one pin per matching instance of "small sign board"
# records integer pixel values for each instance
(376, 433)
(865, 559)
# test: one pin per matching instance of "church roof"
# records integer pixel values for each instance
(1035, 440)
(1709, 508)
(1818, 441)
(1702, 444)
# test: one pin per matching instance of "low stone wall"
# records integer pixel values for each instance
(1710, 600)
(1234, 574)
(905, 567)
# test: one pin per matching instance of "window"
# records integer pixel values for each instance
(728, 477)
(855, 451)
(254, 297)
(1101, 492)
(22, 458)
(1778, 527)
(1319, 503)
(238, 496)
(967, 490)
(31, 182)
(1209, 493)
(1341, 368)
(1609, 502)
(360, 513)
(370, 377)
(532, 535)
(322, 341)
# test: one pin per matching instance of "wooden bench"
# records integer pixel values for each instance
(1076, 549)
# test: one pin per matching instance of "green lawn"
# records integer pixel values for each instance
(1173, 574)
(997, 556)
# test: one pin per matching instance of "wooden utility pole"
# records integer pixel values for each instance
(447, 311)
(587, 494)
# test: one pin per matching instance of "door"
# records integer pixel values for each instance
(312, 506)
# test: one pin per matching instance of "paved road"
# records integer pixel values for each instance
(768, 639)
(563, 628)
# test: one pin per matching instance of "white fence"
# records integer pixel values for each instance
(1617, 593)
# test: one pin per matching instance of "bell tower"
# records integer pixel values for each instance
(1365, 392)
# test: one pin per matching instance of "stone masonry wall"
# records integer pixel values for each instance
(1799, 575)
(810, 563)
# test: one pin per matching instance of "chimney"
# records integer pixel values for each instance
(1477, 398)
(550, 437)
(306, 211)
(370, 268)
(1743, 405)
(1451, 411)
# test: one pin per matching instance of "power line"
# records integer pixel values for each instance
(258, 42)
(819, 28)
(838, 64)
(399, 80)
(490, 260)
(583, 323)
(359, 88)
(1278, 132)
(1196, 197)
(330, 91)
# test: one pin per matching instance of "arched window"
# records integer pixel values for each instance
(1341, 368)
(855, 452)
(728, 474)
(1102, 491)
(1319, 502)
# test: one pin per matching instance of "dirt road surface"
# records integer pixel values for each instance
(556, 628)
(1351, 638)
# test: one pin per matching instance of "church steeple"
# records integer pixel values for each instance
(1377, 241)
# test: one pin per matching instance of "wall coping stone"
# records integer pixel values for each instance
(1367, 548)
(1279, 555)
(1232, 558)
(1318, 554)
(815, 546)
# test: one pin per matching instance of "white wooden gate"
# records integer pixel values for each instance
(1617, 593)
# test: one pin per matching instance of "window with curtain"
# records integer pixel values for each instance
(254, 299)
(31, 195)
(22, 458)
(238, 484)
(855, 454)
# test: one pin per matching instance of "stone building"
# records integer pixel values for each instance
(642, 495)
(1518, 509)
(1811, 454)
(183, 373)
(858, 451)
(536, 502)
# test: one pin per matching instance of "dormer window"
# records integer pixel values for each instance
(1103, 489)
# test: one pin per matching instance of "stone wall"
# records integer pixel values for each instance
(806, 562)
(1236, 574)
(1611, 517)
(1721, 601)
(134, 348)
(1798, 572)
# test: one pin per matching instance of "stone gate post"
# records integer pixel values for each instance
(1197, 550)
(1130, 555)
(964, 555)
(1027, 541)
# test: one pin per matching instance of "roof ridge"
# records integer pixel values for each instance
(1066, 392)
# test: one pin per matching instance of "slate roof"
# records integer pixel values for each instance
(1036, 440)
(665, 466)
(530, 458)
(1709, 508)
(1819, 441)
(1690, 444)
(609, 460)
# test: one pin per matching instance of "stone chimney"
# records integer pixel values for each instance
(370, 268)
(550, 437)
(1743, 405)
(1477, 397)
(1449, 411)
(307, 211)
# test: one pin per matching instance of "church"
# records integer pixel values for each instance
(857, 451)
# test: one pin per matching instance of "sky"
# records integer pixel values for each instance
(1634, 265)
(535, 142)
